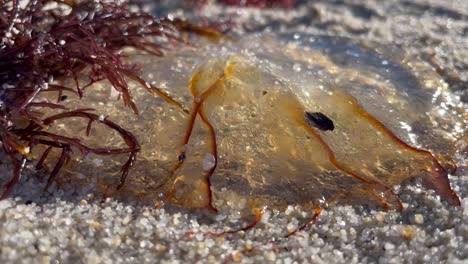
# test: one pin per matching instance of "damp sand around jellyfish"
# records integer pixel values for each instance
(269, 121)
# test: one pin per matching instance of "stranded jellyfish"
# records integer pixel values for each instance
(269, 120)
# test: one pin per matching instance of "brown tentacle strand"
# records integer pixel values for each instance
(258, 217)
(214, 152)
(197, 110)
(307, 224)
(331, 156)
(439, 180)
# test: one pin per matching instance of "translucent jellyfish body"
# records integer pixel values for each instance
(271, 121)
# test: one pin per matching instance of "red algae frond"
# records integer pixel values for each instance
(254, 3)
(47, 43)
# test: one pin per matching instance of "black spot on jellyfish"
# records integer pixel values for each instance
(320, 121)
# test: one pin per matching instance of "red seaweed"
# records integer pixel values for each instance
(255, 3)
(45, 43)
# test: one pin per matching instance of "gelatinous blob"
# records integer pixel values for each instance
(274, 120)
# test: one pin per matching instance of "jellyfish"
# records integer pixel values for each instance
(269, 120)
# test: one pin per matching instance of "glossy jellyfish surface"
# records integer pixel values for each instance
(272, 120)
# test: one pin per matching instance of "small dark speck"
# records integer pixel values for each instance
(264, 92)
(320, 121)
(63, 98)
(181, 157)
